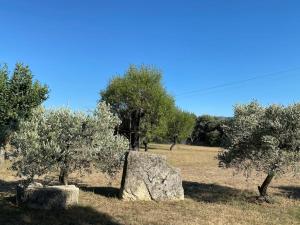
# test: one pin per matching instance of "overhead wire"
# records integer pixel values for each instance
(238, 82)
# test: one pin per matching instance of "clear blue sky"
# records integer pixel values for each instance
(76, 46)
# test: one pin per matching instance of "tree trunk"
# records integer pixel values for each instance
(63, 176)
(145, 142)
(6, 146)
(264, 187)
(135, 130)
(174, 142)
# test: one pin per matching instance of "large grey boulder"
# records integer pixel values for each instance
(38, 196)
(148, 177)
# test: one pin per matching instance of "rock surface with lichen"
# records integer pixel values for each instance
(148, 177)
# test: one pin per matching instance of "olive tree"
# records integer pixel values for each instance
(265, 139)
(19, 94)
(69, 141)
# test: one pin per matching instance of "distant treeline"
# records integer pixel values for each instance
(209, 131)
(205, 130)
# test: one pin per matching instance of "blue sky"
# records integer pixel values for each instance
(77, 46)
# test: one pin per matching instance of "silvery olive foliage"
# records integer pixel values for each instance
(107, 148)
(63, 139)
(265, 139)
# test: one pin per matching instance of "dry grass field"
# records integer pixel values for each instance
(213, 196)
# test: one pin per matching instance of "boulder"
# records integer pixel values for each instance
(148, 177)
(37, 196)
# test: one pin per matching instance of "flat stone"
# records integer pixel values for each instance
(37, 196)
(148, 177)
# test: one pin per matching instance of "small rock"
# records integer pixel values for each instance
(1, 155)
(35, 185)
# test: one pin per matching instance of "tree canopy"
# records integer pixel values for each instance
(19, 95)
(265, 139)
(139, 99)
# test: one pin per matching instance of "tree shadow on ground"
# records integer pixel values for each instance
(109, 192)
(292, 192)
(11, 214)
(8, 186)
(214, 193)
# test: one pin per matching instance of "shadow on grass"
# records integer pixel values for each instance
(292, 192)
(109, 192)
(11, 214)
(214, 193)
(8, 186)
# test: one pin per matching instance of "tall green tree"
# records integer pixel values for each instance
(19, 94)
(266, 140)
(140, 101)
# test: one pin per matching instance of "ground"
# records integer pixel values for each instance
(213, 196)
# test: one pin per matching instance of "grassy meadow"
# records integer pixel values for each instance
(212, 196)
